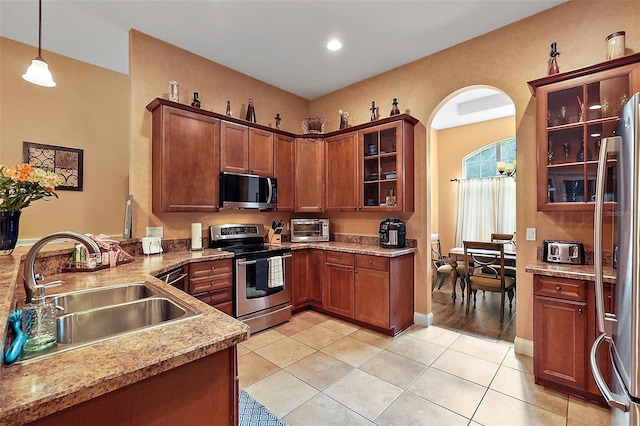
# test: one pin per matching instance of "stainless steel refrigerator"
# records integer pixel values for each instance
(621, 328)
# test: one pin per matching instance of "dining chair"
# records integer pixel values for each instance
(510, 271)
(485, 271)
(442, 266)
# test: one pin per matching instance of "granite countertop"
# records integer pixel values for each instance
(32, 390)
(574, 272)
(348, 247)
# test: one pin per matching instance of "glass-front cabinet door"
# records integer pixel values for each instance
(573, 116)
(386, 178)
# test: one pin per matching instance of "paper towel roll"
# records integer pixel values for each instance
(196, 236)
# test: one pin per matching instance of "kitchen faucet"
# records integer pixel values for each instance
(30, 285)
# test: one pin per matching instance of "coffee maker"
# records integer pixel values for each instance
(392, 233)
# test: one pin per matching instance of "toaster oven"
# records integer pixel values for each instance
(304, 230)
(571, 252)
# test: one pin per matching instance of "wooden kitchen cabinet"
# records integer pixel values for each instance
(212, 282)
(574, 111)
(564, 331)
(308, 278)
(284, 170)
(185, 159)
(339, 284)
(245, 149)
(386, 166)
(341, 172)
(309, 175)
(372, 290)
(200, 392)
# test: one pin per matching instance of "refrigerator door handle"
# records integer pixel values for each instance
(606, 322)
(597, 375)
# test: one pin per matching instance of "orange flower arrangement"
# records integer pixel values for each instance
(20, 185)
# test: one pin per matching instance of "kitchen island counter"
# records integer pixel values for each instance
(35, 389)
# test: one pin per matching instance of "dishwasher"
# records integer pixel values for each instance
(176, 277)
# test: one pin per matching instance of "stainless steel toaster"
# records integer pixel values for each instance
(571, 252)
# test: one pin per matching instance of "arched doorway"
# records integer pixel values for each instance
(475, 122)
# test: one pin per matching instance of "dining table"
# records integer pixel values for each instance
(457, 253)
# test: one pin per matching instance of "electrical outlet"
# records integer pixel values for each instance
(154, 231)
(531, 234)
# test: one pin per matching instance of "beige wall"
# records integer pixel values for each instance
(505, 59)
(152, 64)
(454, 144)
(88, 109)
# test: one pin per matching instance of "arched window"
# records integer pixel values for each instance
(482, 163)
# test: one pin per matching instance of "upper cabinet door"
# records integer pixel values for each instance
(574, 112)
(309, 175)
(185, 174)
(341, 172)
(234, 148)
(260, 152)
(285, 171)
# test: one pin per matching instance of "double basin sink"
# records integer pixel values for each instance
(90, 316)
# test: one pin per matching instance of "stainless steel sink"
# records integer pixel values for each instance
(92, 316)
(97, 298)
(95, 324)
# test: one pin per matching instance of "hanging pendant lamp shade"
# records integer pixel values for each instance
(38, 73)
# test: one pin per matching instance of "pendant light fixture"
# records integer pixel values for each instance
(38, 73)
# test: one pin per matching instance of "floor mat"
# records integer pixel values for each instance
(252, 413)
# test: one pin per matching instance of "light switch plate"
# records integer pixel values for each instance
(531, 234)
(154, 231)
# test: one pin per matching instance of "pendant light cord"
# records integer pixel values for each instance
(40, 30)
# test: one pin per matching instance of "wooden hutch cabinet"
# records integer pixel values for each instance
(185, 159)
(574, 111)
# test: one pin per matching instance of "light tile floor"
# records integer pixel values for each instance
(316, 370)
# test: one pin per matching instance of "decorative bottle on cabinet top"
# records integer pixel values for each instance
(251, 112)
(228, 112)
(373, 110)
(553, 63)
(196, 101)
(394, 107)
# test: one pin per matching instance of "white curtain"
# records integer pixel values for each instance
(485, 206)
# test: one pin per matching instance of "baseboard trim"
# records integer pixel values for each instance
(424, 320)
(522, 346)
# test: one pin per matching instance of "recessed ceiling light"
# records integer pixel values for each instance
(334, 45)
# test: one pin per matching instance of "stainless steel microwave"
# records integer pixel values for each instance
(243, 191)
(303, 230)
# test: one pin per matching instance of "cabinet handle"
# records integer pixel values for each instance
(558, 288)
(580, 311)
(213, 298)
(213, 268)
(370, 262)
(339, 257)
(213, 283)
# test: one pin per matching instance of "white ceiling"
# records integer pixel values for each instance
(282, 43)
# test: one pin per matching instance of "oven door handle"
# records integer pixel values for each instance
(251, 262)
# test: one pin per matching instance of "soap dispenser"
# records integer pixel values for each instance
(39, 323)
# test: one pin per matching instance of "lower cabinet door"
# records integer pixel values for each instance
(560, 341)
(372, 297)
(338, 295)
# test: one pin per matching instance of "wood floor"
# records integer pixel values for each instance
(483, 318)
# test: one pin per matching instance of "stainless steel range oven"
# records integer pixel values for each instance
(262, 274)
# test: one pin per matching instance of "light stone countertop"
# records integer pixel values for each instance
(32, 390)
(574, 272)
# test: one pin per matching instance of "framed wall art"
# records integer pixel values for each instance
(65, 162)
